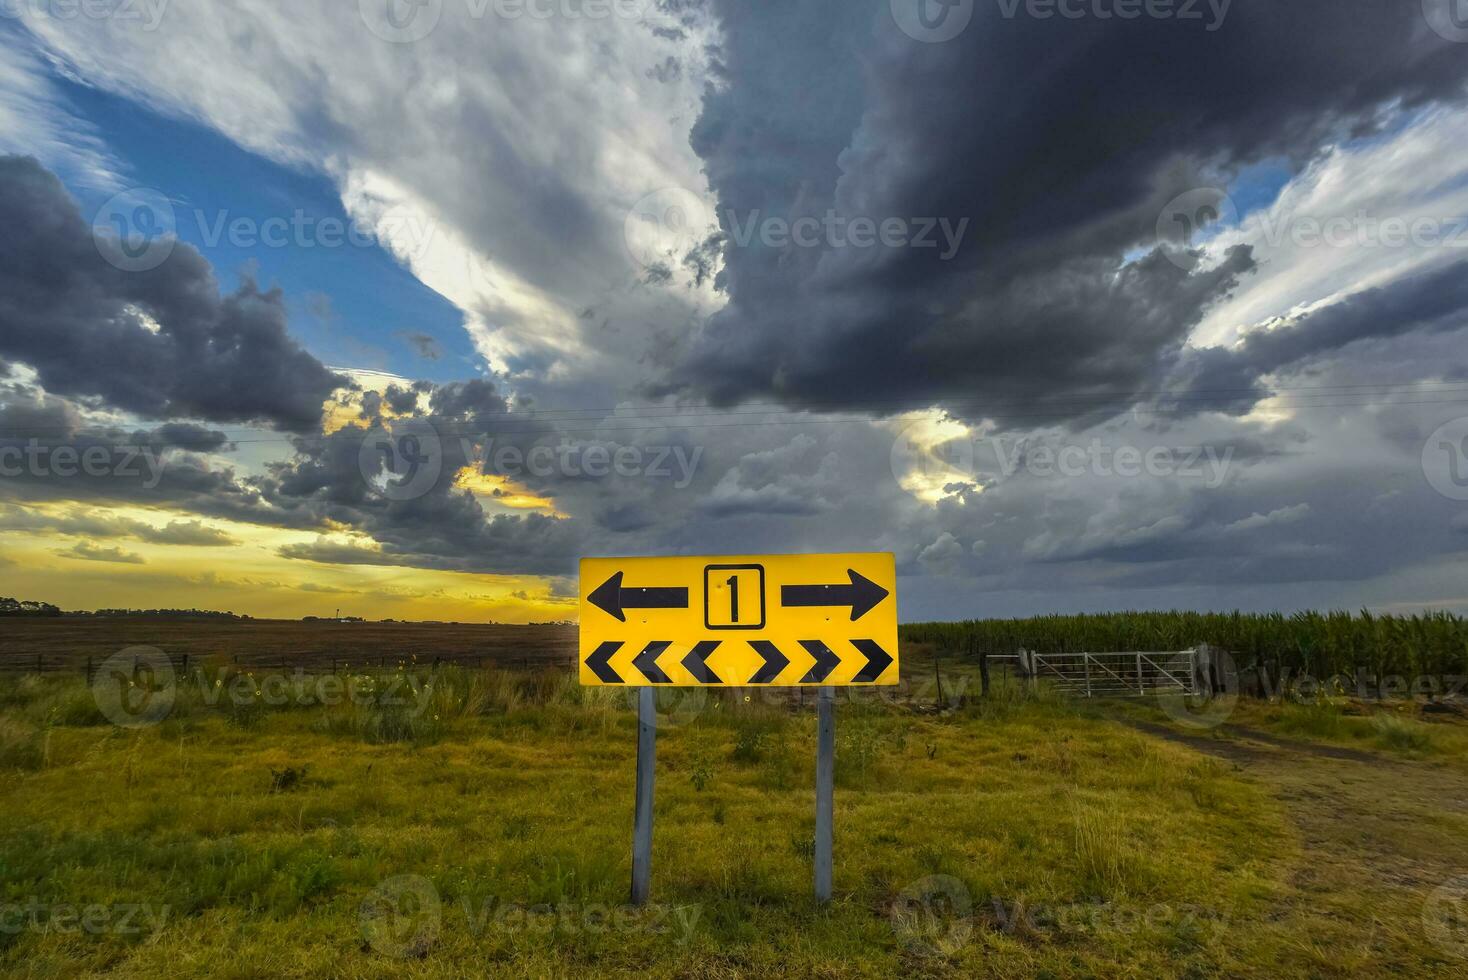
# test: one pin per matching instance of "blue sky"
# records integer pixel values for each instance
(371, 301)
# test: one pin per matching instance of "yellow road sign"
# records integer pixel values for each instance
(737, 621)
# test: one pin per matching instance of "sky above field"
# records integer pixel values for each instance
(400, 307)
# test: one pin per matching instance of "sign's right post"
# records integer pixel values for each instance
(825, 788)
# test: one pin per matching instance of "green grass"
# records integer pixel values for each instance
(1012, 837)
(1390, 728)
(1403, 734)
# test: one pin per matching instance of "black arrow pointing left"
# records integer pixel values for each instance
(696, 662)
(612, 597)
(647, 662)
(599, 662)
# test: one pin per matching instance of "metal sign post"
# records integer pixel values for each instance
(822, 621)
(825, 788)
(647, 739)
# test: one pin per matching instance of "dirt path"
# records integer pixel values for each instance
(1242, 743)
(1379, 834)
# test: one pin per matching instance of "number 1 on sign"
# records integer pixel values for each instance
(734, 597)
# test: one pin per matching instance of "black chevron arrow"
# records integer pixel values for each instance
(600, 665)
(775, 661)
(861, 595)
(826, 661)
(611, 597)
(647, 662)
(878, 660)
(696, 664)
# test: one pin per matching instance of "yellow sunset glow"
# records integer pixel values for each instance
(921, 464)
(495, 489)
(247, 573)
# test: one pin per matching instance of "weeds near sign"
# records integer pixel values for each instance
(701, 770)
(1402, 734)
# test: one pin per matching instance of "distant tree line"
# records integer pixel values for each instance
(159, 614)
(25, 607)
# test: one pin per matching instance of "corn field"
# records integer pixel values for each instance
(1320, 644)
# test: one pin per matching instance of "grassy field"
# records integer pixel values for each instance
(460, 821)
(68, 642)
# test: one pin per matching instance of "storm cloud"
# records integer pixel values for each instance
(1058, 142)
(1050, 292)
(161, 342)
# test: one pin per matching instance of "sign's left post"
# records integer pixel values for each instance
(647, 735)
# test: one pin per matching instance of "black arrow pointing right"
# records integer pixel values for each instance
(826, 661)
(775, 661)
(861, 595)
(878, 660)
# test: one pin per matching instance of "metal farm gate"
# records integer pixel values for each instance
(1117, 675)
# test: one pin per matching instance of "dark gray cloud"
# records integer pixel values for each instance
(191, 533)
(327, 484)
(330, 482)
(92, 525)
(162, 343)
(87, 551)
(473, 401)
(403, 400)
(183, 435)
(670, 69)
(424, 345)
(451, 532)
(1059, 141)
(107, 465)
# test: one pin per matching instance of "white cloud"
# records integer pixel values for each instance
(1416, 178)
(941, 557)
(521, 142)
(36, 121)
